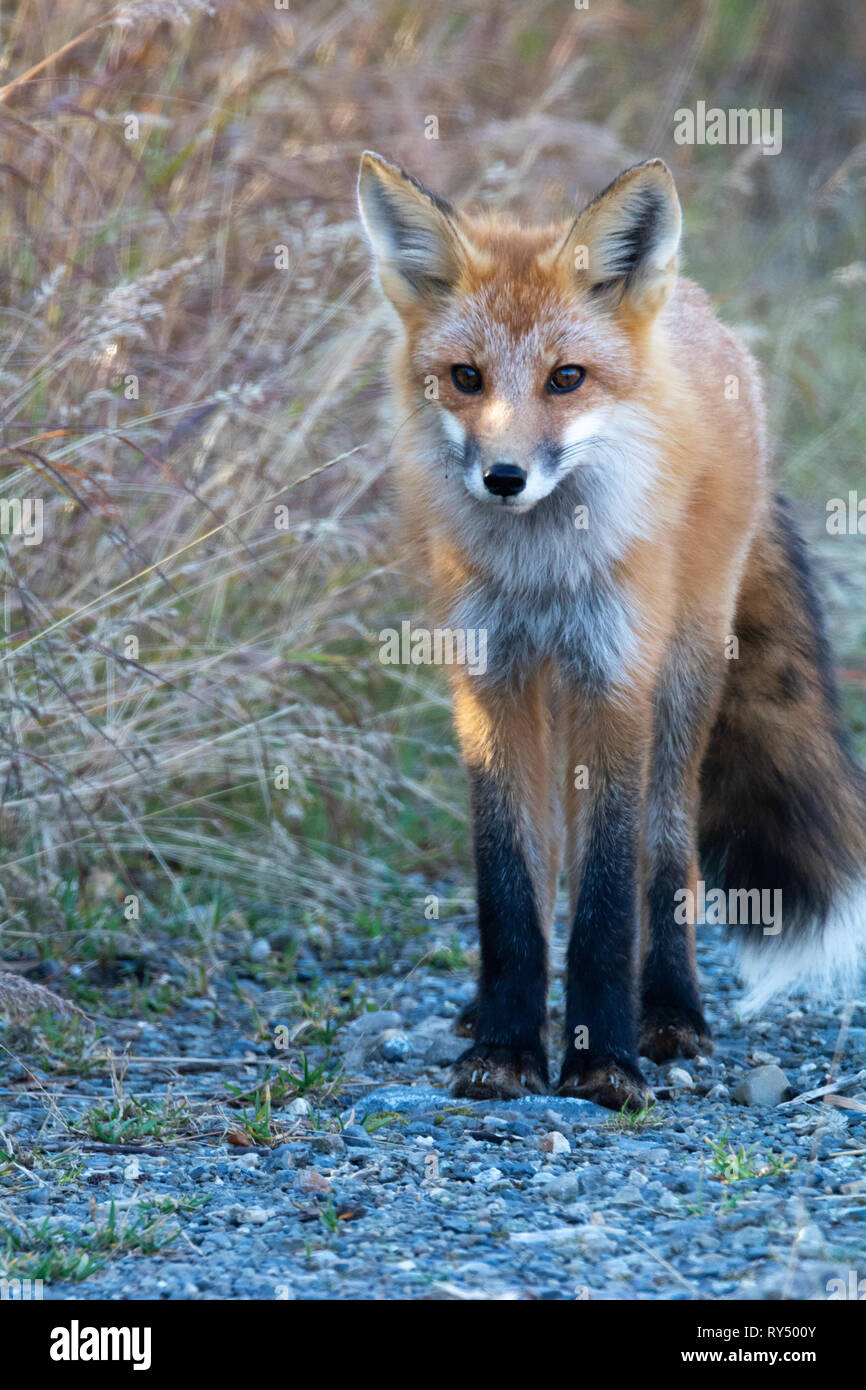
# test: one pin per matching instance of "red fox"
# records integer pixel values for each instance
(583, 472)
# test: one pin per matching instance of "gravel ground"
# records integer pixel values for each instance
(380, 1185)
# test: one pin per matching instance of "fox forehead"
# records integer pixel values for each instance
(517, 309)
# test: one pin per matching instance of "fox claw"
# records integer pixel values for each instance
(494, 1072)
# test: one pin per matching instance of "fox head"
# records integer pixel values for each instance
(532, 337)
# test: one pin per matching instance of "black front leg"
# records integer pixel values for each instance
(600, 1061)
(508, 1056)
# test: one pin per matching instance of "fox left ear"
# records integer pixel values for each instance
(412, 232)
(624, 244)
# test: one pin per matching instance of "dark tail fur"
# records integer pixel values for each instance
(783, 803)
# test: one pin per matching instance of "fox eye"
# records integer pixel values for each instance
(565, 379)
(466, 378)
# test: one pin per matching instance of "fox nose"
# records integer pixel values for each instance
(504, 479)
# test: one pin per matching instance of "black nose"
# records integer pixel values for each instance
(504, 479)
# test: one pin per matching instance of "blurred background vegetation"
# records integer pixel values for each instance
(169, 377)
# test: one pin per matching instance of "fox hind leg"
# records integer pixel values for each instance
(672, 1020)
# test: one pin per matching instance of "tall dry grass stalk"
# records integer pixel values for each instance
(181, 377)
(189, 344)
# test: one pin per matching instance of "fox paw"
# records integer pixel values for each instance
(615, 1084)
(671, 1032)
(493, 1073)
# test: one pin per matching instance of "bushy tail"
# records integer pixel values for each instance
(783, 803)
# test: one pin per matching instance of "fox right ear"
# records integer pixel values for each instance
(412, 233)
(629, 236)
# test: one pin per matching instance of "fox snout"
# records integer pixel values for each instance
(504, 479)
(509, 473)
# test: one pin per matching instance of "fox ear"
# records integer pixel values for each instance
(624, 244)
(411, 231)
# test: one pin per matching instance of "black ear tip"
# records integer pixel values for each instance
(656, 189)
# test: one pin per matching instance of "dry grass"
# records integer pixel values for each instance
(166, 386)
(21, 999)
